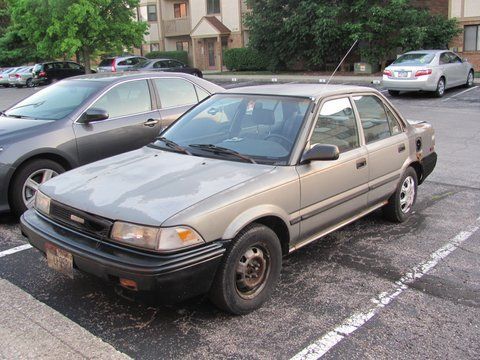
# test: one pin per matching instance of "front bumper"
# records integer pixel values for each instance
(423, 83)
(176, 276)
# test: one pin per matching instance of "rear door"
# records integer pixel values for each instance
(133, 122)
(176, 96)
(332, 191)
(387, 146)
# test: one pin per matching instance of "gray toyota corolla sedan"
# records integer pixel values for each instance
(241, 179)
(83, 119)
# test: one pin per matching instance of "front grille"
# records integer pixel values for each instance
(93, 225)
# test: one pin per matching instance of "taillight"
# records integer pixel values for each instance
(42, 74)
(423, 72)
(114, 68)
(17, 76)
(387, 72)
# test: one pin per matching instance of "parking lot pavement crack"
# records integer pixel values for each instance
(466, 187)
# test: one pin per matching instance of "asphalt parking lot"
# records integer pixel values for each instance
(370, 290)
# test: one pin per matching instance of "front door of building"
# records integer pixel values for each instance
(211, 53)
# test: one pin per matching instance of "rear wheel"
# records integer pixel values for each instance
(440, 88)
(470, 77)
(249, 271)
(27, 181)
(394, 92)
(400, 204)
(29, 83)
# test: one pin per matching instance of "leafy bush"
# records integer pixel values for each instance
(177, 55)
(243, 59)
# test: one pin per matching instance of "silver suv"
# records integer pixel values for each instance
(115, 64)
(243, 178)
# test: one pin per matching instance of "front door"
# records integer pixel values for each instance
(211, 61)
(132, 123)
(387, 146)
(332, 191)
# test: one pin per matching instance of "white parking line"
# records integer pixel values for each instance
(357, 320)
(15, 250)
(460, 93)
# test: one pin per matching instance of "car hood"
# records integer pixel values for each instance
(10, 126)
(147, 186)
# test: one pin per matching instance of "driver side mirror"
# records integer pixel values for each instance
(92, 115)
(464, 60)
(320, 152)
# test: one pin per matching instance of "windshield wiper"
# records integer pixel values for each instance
(221, 150)
(173, 145)
(37, 104)
(19, 116)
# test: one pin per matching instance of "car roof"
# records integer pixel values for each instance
(425, 51)
(299, 90)
(112, 77)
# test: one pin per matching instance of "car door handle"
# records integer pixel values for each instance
(150, 122)
(401, 148)
(361, 163)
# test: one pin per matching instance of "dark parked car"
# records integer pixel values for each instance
(166, 65)
(50, 72)
(83, 119)
(120, 63)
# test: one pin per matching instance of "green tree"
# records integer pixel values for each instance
(63, 28)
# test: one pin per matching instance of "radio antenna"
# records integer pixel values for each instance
(341, 62)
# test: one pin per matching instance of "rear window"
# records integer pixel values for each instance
(414, 59)
(106, 62)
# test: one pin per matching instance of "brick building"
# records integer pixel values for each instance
(467, 44)
(203, 28)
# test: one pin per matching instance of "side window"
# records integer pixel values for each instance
(454, 58)
(202, 94)
(175, 92)
(122, 63)
(395, 127)
(336, 125)
(444, 59)
(73, 66)
(157, 65)
(373, 117)
(129, 98)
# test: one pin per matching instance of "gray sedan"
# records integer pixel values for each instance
(243, 178)
(427, 70)
(83, 119)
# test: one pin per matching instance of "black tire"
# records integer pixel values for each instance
(470, 79)
(394, 92)
(395, 211)
(258, 248)
(17, 203)
(440, 88)
(29, 83)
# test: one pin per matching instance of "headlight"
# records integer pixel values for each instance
(156, 239)
(42, 202)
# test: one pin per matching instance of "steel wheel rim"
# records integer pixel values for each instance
(470, 79)
(32, 184)
(252, 271)
(407, 194)
(441, 87)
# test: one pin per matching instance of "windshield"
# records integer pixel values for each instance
(260, 128)
(54, 102)
(414, 59)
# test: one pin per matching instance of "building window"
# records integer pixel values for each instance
(152, 12)
(155, 47)
(213, 6)
(182, 46)
(180, 10)
(472, 38)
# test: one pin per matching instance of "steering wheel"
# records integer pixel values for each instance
(284, 140)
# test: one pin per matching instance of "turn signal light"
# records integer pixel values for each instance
(423, 72)
(128, 284)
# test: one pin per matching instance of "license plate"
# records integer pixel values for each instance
(59, 260)
(402, 74)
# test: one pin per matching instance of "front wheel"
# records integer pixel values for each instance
(27, 181)
(470, 77)
(400, 204)
(249, 271)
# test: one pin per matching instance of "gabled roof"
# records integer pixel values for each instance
(209, 26)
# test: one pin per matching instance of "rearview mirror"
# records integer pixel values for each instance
(320, 152)
(92, 115)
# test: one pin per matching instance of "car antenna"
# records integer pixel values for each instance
(341, 62)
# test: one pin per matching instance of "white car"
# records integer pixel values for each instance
(427, 70)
